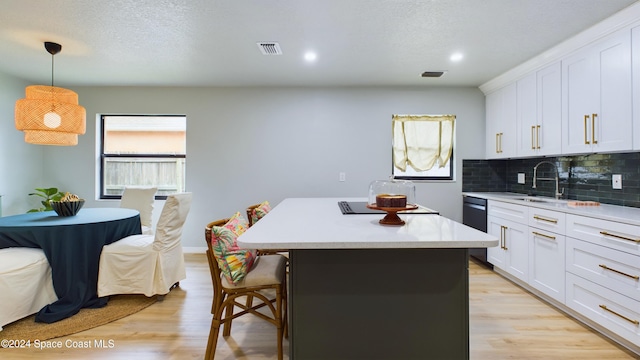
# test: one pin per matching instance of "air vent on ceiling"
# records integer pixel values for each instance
(433, 73)
(270, 48)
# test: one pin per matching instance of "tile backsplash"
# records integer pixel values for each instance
(583, 177)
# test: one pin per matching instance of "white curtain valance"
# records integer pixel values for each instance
(422, 141)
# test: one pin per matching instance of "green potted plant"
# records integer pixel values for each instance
(48, 194)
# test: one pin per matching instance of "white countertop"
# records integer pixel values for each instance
(318, 223)
(623, 214)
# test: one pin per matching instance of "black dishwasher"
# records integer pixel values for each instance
(474, 214)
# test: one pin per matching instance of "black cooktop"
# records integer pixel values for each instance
(360, 207)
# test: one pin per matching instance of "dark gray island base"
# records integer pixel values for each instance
(379, 304)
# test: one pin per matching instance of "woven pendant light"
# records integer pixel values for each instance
(50, 115)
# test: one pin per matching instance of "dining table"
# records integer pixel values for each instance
(360, 289)
(72, 245)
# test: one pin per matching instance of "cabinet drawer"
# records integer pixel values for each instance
(513, 212)
(618, 236)
(616, 312)
(547, 262)
(613, 269)
(549, 220)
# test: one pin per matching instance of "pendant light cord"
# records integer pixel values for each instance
(52, 70)
(53, 49)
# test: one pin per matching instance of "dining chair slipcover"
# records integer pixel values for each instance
(147, 264)
(25, 283)
(141, 199)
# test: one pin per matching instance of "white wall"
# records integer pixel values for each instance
(246, 145)
(20, 163)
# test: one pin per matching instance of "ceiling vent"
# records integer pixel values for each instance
(433, 74)
(270, 48)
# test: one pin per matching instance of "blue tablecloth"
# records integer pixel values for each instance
(73, 246)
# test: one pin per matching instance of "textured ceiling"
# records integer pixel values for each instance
(213, 42)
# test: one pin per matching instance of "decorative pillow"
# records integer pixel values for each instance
(237, 223)
(234, 262)
(260, 211)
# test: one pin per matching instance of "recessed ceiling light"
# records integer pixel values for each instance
(455, 57)
(310, 56)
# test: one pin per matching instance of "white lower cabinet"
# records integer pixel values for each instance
(547, 252)
(511, 254)
(604, 266)
(615, 235)
(590, 267)
(603, 274)
(508, 223)
(608, 308)
(546, 263)
(496, 255)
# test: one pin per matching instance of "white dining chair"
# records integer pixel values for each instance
(141, 199)
(25, 283)
(147, 264)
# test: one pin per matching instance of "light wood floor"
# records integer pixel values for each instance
(506, 322)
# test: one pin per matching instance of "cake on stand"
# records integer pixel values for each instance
(392, 196)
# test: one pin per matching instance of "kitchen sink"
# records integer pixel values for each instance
(534, 199)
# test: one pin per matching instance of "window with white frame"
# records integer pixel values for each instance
(422, 147)
(142, 150)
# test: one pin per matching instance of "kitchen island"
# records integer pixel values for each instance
(361, 290)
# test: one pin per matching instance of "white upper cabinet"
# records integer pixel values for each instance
(527, 119)
(579, 97)
(501, 123)
(635, 48)
(596, 97)
(539, 112)
(549, 137)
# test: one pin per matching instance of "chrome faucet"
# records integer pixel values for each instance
(536, 178)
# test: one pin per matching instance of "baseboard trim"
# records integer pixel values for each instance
(194, 250)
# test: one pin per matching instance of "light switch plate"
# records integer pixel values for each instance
(616, 181)
(520, 178)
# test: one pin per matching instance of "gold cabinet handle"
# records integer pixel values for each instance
(586, 118)
(497, 149)
(538, 137)
(503, 235)
(505, 238)
(543, 235)
(620, 237)
(501, 142)
(635, 322)
(545, 219)
(593, 129)
(532, 136)
(635, 277)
